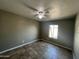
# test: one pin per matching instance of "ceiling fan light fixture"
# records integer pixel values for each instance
(41, 13)
(40, 16)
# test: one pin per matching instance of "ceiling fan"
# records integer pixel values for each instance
(39, 13)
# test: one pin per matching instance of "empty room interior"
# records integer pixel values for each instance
(39, 29)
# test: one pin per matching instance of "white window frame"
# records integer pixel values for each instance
(53, 31)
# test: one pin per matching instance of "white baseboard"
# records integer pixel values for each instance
(57, 44)
(74, 55)
(17, 46)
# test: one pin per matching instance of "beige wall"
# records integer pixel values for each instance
(76, 39)
(16, 30)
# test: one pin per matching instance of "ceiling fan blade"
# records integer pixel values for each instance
(36, 15)
(30, 7)
(47, 10)
(47, 16)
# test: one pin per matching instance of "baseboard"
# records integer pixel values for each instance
(74, 55)
(17, 46)
(57, 45)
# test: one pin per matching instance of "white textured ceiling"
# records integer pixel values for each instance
(58, 8)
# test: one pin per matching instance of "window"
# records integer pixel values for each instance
(53, 31)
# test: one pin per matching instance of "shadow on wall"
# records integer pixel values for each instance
(65, 31)
(16, 30)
